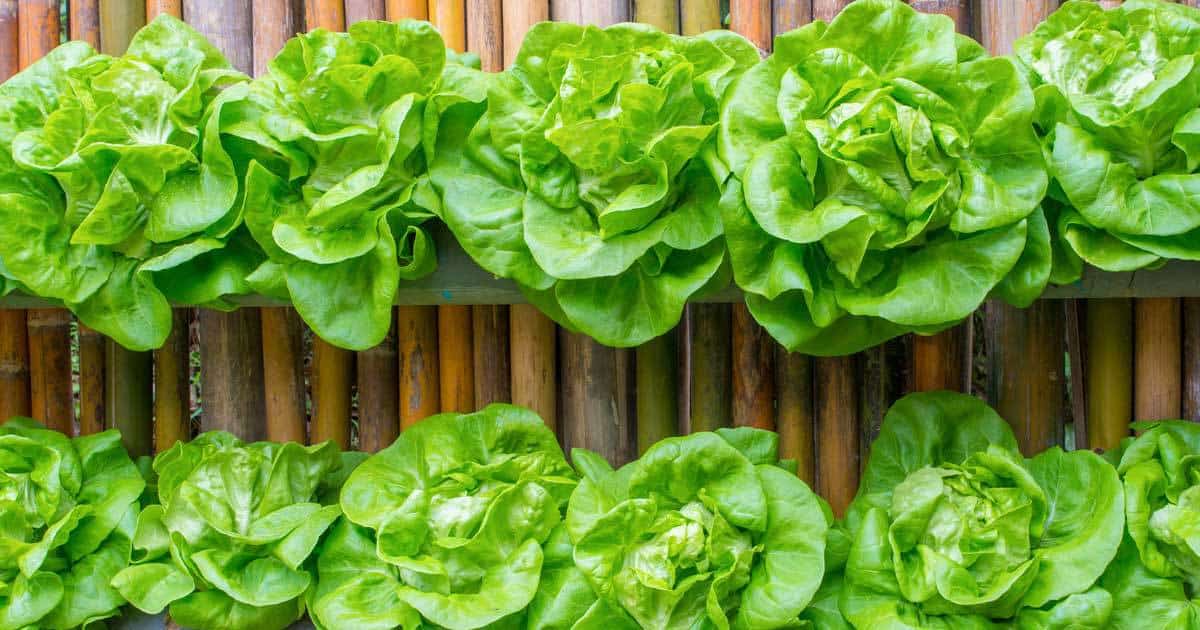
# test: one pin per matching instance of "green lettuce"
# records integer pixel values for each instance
(339, 133)
(879, 160)
(589, 176)
(116, 194)
(952, 528)
(458, 524)
(67, 514)
(1155, 577)
(1118, 100)
(231, 544)
(704, 531)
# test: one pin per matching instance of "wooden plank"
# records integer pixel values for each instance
(490, 354)
(327, 14)
(1191, 359)
(517, 17)
(10, 57)
(50, 368)
(275, 21)
(359, 10)
(752, 19)
(91, 381)
(283, 375)
(699, 16)
(231, 373)
(1158, 354)
(417, 329)
(1108, 352)
(837, 443)
(712, 359)
(83, 21)
(397, 10)
(1026, 361)
(14, 365)
(378, 396)
(753, 359)
(456, 361)
(596, 413)
(170, 7)
(128, 401)
(942, 361)
(172, 393)
(449, 16)
(661, 14)
(795, 422)
(791, 14)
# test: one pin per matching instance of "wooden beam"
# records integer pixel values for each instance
(1075, 315)
(533, 346)
(285, 395)
(1001, 23)
(83, 21)
(417, 329)
(332, 381)
(957, 10)
(1158, 355)
(172, 384)
(1108, 352)
(38, 29)
(1191, 359)
(91, 381)
(485, 33)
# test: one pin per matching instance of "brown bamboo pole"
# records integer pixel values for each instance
(327, 14)
(1075, 318)
(957, 10)
(790, 14)
(752, 19)
(128, 403)
(827, 9)
(517, 17)
(753, 372)
(699, 16)
(14, 336)
(10, 57)
(91, 381)
(83, 21)
(119, 20)
(661, 14)
(449, 16)
(156, 7)
(397, 10)
(875, 388)
(485, 33)
(359, 10)
(417, 329)
(1191, 359)
(172, 394)
(1001, 23)
(38, 29)
(794, 378)
(712, 359)
(1109, 371)
(275, 21)
(534, 364)
(378, 396)
(1158, 354)
(456, 361)
(283, 375)
(837, 444)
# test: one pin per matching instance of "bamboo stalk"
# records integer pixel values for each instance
(875, 387)
(10, 62)
(485, 34)
(169, 7)
(699, 16)
(359, 10)
(657, 390)
(661, 14)
(794, 377)
(791, 14)
(712, 350)
(378, 396)
(449, 16)
(1001, 23)
(14, 365)
(172, 396)
(327, 14)
(957, 10)
(456, 360)
(1026, 362)
(397, 10)
(518, 16)
(50, 368)
(275, 21)
(490, 354)
(1158, 369)
(38, 29)
(1109, 371)
(231, 373)
(119, 20)
(837, 445)
(91, 381)
(283, 375)
(752, 19)
(827, 9)
(128, 402)
(942, 361)
(1191, 359)
(83, 21)
(417, 328)
(1078, 379)
(534, 362)
(753, 372)
(596, 395)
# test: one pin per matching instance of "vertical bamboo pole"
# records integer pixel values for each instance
(449, 16)
(1075, 317)
(397, 10)
(283, 375)
(91, 381)
(38, 29)
(10, 58)
(597, 381)
(1109, 356)
(119, 20)
(752, 19)
(532, 343)
(128, 406)
(712, 360)
(14, 336)
(827, 9)
(1158, 369)
(656, 361)
(518, 16)
(875, 385)
(83, 21)
(837, 444)
(170, 7)
(794, 378)
(699, 16)
(1191, 359)
(327, 14)
(378, 396)
(275, 21)
(957, 10)
(359, 10)
(172, 396)
(791, 14)
(417, 328)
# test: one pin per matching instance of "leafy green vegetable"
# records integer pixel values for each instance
(953, 529)
(231, 544)
(704, 531)
(117, 195)
(589, 176)
(67, 514)
(1118, 93)
(457, 524)
(339, 133)
(1157, 571)
(878, 161)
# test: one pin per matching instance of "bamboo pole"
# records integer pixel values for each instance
(1109, 371)
(456, 362)
(1077, 382)
(837, 443)
(91, 381)
(378, 396)
(1158, 369)
(359, 10)
(485, 34)
(712, 358)
(128, 405)
(794, 378)
(449, 16)
(172, 394)
(10, 58)
(327, 14)
(534, 364)
(283, 375)
(14, 336)
(957, 10)
(875, 390)
(699, 16)
(827, 9)
(156, 7)
(661, 14)
(518, 16)
(275, 21)
(1191, 359)
(417, 328)
(83, 21)
(791, 14)
(397, 10)
(752, 19)
(119, 20)
(50, 368)
(38, 29)
(753, 372)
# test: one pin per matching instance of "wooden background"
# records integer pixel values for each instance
(1071, 372)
